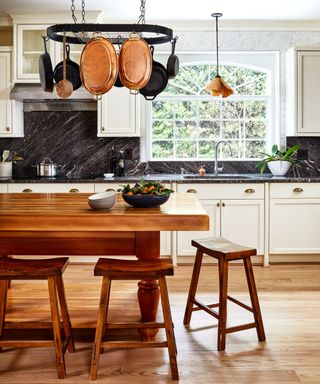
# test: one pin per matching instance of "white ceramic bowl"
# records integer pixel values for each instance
(108, 175)
(103, 200)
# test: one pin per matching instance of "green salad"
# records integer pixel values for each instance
(144, 187)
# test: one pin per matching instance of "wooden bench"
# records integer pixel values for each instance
(45, 269)
(224, 251)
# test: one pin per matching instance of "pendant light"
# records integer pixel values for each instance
(217, 86)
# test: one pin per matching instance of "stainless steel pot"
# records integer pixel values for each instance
(47, 168)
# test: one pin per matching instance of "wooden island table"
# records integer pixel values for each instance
(64, 224)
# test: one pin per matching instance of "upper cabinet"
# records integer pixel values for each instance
(119, 113)
(303, 84)
(11, 113)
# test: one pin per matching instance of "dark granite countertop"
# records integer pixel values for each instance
(222, 178)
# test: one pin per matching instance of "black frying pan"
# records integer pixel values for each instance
(45, 69)
(73, 71)
(158, 80)
(173, 61)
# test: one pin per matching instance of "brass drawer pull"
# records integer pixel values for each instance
(27, 190)
(74, 190)
(191, 191)
(223, 204)
(110, 190)
(297, 190)
(249, 190)
(218, 205)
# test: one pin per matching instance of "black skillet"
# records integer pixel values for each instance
(73, 71)
(173, 61)
(45, 69)
(158, 80)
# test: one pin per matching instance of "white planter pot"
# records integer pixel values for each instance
(278, 167)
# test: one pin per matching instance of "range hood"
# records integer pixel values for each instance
(35, 99)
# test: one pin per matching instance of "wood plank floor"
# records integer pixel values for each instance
(290, 303)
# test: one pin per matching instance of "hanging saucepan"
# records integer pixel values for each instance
(45, 69)
(72, 71)
(98, 66)
(173, 61)
(135, 63)
(158, 80)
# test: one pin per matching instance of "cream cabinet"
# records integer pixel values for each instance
(303, 83)
(236, 212)
(3, 188)
(165, 236)
(11, 111)
(50, 187)
(119, 113)
(294, 218)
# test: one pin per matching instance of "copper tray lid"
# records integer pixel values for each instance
(135, 63)
(98, 66)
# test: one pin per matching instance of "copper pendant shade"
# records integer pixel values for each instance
(217, 86)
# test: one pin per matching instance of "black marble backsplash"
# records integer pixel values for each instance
(70, 139)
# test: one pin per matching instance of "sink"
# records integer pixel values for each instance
(221, 176)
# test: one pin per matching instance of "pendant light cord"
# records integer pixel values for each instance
(217, 44)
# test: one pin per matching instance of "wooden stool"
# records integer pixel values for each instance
(117, 269)
(224, 251)
(45, 269)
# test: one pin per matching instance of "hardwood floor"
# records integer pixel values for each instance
(290, 303)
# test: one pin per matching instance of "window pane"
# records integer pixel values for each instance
(255, 129)
(209, 110)
(209, 129)
(256, 109)
(162, 109)
(162, 149)
(253, 148)
(186, 129)
(185, 110)
(162, 129)
(233, 150)
(206, 149)
(232, 110)
(230, 129)
(186, 149)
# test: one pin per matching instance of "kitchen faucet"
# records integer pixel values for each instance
(216, 166)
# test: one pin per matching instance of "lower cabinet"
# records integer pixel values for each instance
(239, 218)
(50, 187)
(3, 188)
(294, 218)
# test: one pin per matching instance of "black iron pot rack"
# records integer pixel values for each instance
(163, 34)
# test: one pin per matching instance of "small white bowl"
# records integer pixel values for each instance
(108, 175)
(103, 200)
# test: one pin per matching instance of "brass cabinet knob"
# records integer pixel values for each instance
(218, 205)
(191, 191)
(102, 129)
(27, 190)
(8, 129)
(297, 189)
(110, 190)
(249, 190)
(223, 204)
(74, 190)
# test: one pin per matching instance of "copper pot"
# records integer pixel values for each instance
(98, 66)
(135, 63)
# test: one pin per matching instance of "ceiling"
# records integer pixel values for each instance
(179, 9)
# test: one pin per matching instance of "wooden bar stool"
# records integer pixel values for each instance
(224, 251)
(45, 269)
(117, 269)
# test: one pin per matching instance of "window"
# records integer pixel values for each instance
(185, 122)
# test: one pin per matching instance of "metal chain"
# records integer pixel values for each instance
(83, 12)
(142, 18)
(73, 9)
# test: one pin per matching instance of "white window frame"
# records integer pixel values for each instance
(234, 57)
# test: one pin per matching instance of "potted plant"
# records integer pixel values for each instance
(279, 162)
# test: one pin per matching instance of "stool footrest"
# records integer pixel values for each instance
(245, 306)
(242, 327)
(134, 344)
(26, 343)
(29, 325)
(134, 325)
(206, 308)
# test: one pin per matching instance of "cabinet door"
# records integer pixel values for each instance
(242, 221)
(28, 48)
(184, 246)
(5, 103)
(119, 113)
(308, 92)
(294, 226)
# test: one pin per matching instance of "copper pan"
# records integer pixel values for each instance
(135, 63)
(98, 66)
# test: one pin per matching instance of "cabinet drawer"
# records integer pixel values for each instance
(51, 187)
(3, 188)
(225, 191)
(295, 190)
(102, 187)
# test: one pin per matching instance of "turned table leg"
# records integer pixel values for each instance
(148, 247)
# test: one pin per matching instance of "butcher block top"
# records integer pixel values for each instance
(71, 212)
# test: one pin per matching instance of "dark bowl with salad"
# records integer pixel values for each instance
(146, 194)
